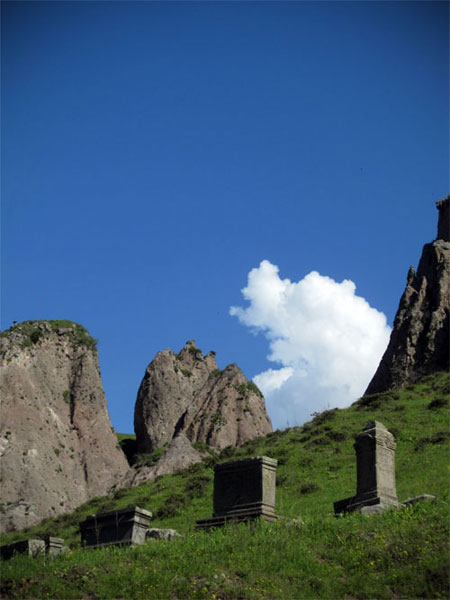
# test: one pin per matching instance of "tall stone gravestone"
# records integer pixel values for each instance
(375, 466)
(244, 490)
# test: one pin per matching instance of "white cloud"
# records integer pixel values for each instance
(327, 340)
(272, 379)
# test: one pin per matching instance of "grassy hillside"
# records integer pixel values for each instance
(402, 553)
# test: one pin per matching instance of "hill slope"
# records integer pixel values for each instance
(401, 553)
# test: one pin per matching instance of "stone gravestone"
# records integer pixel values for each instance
(375, 466)
(125, 527)
(30, 547)
(243, 491)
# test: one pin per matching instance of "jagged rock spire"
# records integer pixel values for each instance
(444, 219)
(419, 342)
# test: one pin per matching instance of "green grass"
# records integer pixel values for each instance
(400, 554)
(397, 554)
(125, 436)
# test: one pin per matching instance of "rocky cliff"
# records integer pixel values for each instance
(57, 445)
(419, 342)
(187, 393)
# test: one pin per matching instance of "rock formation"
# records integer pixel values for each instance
(419, 342)
(187, 393)
(57, 445)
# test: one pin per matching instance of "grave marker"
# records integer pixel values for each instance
(244, 490)
(120, 527)
(375, 469)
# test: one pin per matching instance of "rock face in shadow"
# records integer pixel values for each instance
(179, 455)
(187, 393)
(57, 446)
(419, 342)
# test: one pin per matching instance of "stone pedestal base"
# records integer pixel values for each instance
(236, 516)
(359, 502)
(382, 503)
(341, 506)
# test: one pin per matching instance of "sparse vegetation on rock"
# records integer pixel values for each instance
(29, 333)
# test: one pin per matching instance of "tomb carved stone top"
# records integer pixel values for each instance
(375, 433)
(240, 465)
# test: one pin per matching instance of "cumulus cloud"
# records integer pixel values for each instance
(327, 341)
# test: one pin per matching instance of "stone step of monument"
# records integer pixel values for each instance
(421, 498)
(237, 516)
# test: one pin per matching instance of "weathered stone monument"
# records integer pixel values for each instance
(375, 466)
(244, 490)
(120, 527)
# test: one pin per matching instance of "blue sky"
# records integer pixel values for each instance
(155, 153)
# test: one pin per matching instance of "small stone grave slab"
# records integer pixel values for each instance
(244, 490)
(162, 534)
(53, 545)
(375, 471)
(30, 547)
(120, 527)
